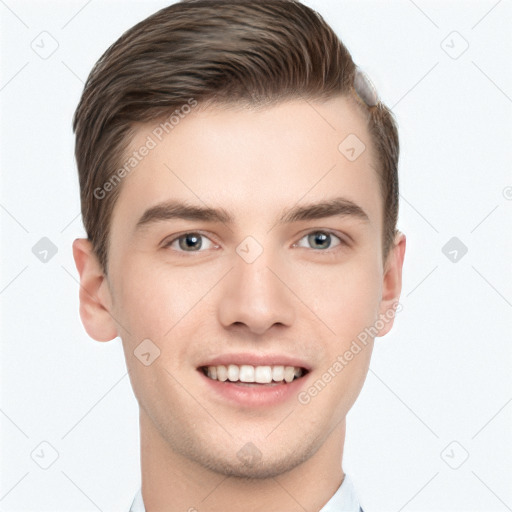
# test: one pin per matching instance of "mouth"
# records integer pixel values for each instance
(254, 376)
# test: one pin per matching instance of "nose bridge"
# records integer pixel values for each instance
(253, 294)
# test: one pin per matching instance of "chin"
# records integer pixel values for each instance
(250, 463)
(261, 470)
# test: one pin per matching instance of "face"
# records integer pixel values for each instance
(264, 279)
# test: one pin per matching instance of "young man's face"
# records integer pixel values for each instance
(251, 287)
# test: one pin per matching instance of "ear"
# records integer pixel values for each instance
(392, 284)
(95, 296)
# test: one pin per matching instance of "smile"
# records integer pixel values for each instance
(251, 386)
(248, 374)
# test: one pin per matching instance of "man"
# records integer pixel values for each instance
(239, 191)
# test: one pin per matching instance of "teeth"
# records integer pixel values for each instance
(246, 373)
(222, 373)
(233, 372)
(257, 374)
(278, 373)
(288, 373)
(263, 374)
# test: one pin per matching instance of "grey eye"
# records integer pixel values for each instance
(190, 242)
(320, 240)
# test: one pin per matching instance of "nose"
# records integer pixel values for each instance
(255, 295)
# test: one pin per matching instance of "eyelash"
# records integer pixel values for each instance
(342, 243)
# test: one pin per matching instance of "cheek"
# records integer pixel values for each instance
(151, 299)
(158, 303)
(345, 297)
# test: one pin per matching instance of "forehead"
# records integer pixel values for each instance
(251, 162)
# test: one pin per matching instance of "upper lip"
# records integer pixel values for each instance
(256, 360)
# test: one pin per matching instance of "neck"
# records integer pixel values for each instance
(174, 483)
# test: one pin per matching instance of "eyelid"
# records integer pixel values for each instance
(342, 236)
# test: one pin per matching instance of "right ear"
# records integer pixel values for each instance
(95, 296)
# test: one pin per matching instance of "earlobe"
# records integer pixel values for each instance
(392, 283)
(95, 300)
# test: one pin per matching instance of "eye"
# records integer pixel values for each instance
(321, 240)
(189, 242)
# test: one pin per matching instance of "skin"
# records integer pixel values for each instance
(297, 298)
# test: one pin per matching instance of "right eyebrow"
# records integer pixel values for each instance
(178, 210)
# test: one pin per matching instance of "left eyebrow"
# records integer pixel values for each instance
(338, 206)
(335, 207)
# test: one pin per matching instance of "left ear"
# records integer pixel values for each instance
(392, 283)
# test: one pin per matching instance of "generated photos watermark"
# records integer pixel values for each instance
(152, 141)
(342, 360)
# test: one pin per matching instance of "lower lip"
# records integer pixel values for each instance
(257, 394)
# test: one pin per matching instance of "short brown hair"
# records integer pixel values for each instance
(222, 52)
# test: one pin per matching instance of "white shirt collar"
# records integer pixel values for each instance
(344, 500)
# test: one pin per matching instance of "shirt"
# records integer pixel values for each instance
(344, 500)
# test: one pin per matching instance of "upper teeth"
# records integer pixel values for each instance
(258, 374)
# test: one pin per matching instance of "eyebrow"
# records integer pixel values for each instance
(338, 206)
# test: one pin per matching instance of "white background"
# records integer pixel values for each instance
(442, 375)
